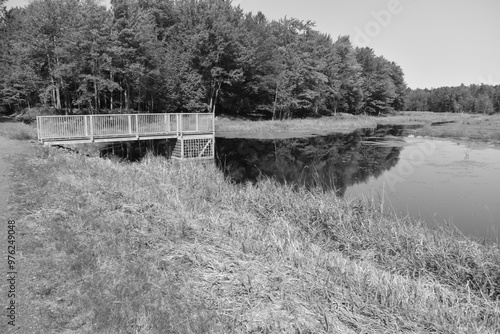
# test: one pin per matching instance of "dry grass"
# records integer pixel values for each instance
(464, 126)
(17, 130)
(163, 247)
(226, 127)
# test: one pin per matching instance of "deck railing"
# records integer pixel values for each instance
(122, 125)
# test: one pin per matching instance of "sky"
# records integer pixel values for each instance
(436, 42)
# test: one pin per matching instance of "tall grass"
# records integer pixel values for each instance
(18, 131)
(472, 126)
(166, 247)
(323, 125)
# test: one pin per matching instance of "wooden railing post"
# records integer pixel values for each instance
(197, 121)
(213, 123)
(85, 124)
(38, 127)
(180, 124)
(136, 126)
(129, 124)
(91, 127)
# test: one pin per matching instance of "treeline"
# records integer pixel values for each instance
(482, 99)
(186, 56)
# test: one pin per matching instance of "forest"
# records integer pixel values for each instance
(474, 99)
(77, 56)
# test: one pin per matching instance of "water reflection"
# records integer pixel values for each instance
(451, 184)
(134, 151)
(332, 162)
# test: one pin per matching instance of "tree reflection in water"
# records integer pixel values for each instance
(332, 162)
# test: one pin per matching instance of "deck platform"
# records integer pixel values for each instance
(194, 132)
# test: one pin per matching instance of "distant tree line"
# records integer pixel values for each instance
(482, 99)
(185, 56)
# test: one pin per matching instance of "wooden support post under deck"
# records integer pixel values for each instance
(182, 147)
(209, 142)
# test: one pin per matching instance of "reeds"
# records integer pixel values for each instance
(162, 246)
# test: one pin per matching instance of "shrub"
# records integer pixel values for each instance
(29, 115)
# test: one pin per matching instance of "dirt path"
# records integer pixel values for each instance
(26, 320)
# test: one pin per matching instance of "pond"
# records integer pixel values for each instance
(440, 181)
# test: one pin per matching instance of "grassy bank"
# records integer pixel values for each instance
(461, 126)
(162, 247)
(16, 130)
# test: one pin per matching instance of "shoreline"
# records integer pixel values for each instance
(453, 126)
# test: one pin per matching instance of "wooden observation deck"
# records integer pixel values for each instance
(194, 132)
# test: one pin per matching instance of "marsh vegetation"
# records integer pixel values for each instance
(444, 125)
